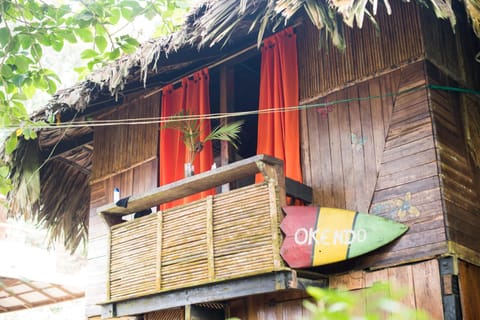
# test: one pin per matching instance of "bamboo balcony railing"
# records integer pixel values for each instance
(222, 237)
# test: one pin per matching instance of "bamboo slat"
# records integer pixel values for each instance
(225, 236)
(369, 51)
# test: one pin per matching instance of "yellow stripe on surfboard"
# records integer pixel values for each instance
(332, 244)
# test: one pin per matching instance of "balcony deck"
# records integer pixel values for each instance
(203, 245)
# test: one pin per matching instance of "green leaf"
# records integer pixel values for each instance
(57, 43)
(6, 71)
(100, 29)
(127, 14)
(11, 144)
(33, 134)
(115, 15)
(85, 34)
(29, 91)
(4, 171)
(36, 51)
(132, 41)
(25, 41)
(88, 54)
(101, 43)
(4, 36)
(114, 54)
(5, 186)
(19, 96)
(43, 39)
(52, 86)
(22, 63)
(68, 35)
(19, 79)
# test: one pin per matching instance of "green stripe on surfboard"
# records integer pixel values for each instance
(372, 232)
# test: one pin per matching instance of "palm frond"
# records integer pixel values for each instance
(192, 127)
(227, 132)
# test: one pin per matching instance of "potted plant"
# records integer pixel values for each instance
(191, 127)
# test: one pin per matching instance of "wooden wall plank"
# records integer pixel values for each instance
(337, 182)
(426, 278)
(377, 119)
(369, 143)
(401, 279)
(357, 142)
(417, 285)
(395, 175)
(459, 177)
(469, 281)
(347, 151)
(136, 180)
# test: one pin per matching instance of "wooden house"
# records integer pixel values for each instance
(389, 126)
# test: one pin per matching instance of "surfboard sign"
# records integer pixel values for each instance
(316, 236)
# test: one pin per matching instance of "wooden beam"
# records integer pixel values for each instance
(452, 309)
(219, 291)
(298, 190)
(67, 145)
(302, 282)
(192, 185)
(226, 101)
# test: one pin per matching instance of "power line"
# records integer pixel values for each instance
(187, 117)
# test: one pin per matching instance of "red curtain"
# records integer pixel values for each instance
(278, 131)
(192, 97)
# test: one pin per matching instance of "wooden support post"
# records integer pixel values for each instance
(210, 252)
(159, 251)
(452, 309)
(108, 291)
(188, 312)
(226, 101)
(275, 213)
(274, 172)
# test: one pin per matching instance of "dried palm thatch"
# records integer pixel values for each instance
(62, 210)
(58, 194)
(221, 18)
(216, 22)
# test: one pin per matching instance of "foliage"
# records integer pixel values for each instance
(373, 303)
(223, 17)
(191, 127)
(29, 27)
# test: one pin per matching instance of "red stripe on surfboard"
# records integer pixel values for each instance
(297, 217)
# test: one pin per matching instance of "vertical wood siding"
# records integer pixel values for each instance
(459, 178)
(134, 181)
(124, 157)
(374, 152)
(284, 305)
(421, 281)
(323, 68)
(469, 280)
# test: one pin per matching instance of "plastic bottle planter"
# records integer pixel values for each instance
(189, 169)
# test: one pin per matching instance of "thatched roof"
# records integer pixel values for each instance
(215, 29)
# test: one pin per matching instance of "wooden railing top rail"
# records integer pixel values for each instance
(271, 168)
